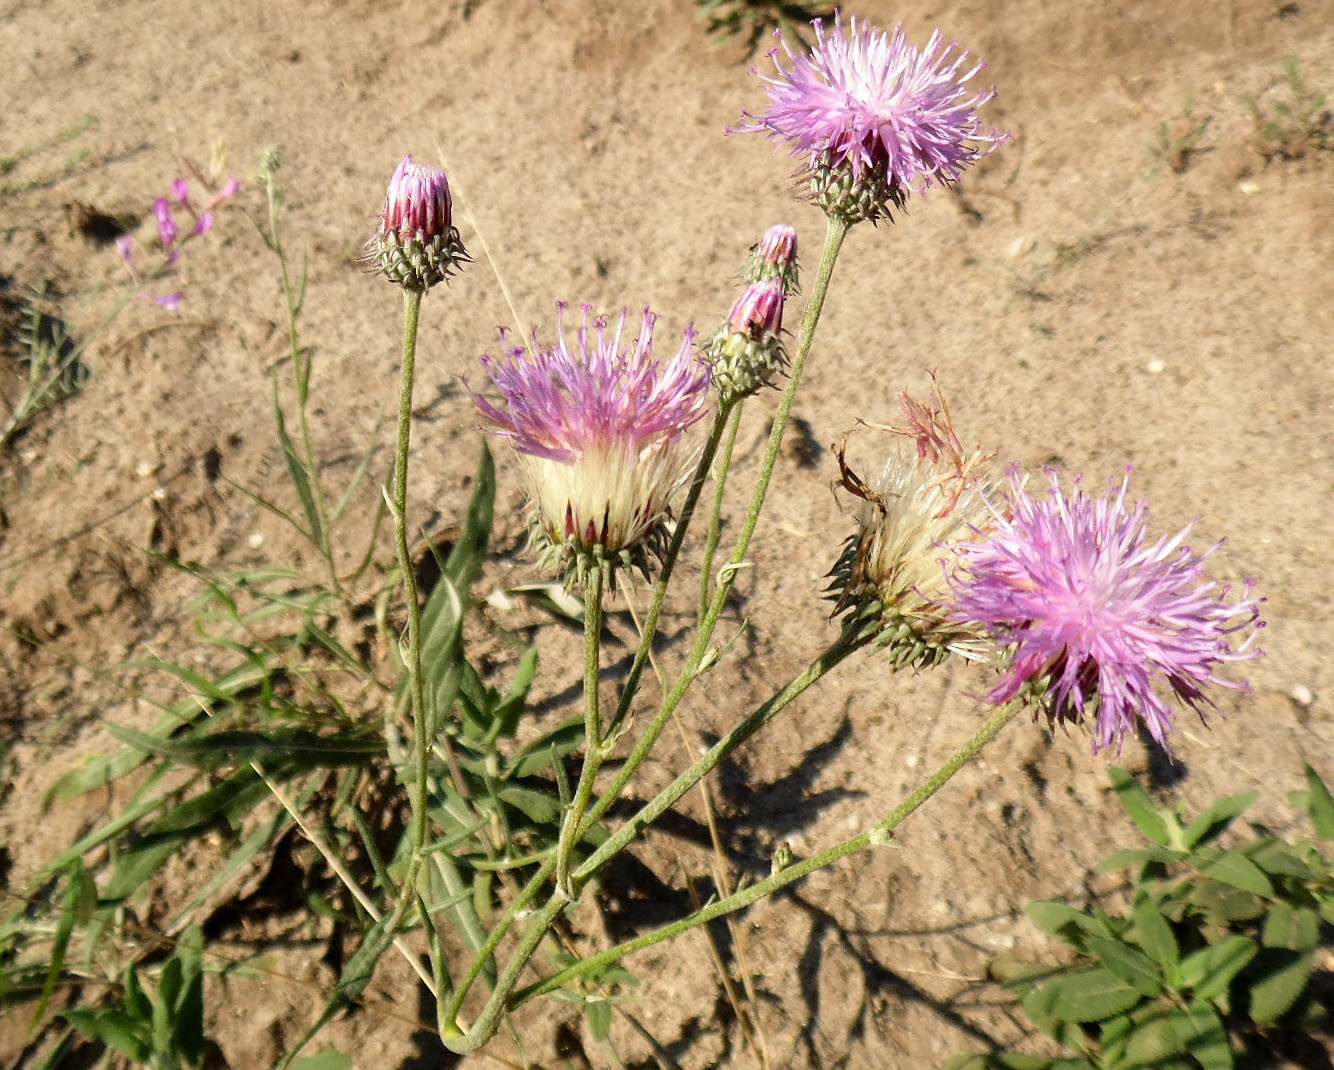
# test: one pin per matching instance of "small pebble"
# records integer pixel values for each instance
(1249, 187)
(1156, 367)
(1301, 695)
(911, 761)
(144, 469)
(256, 540)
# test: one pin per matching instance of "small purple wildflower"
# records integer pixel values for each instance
(125, 246)
(601, 427)
(874, 117)
(171, 302)
(166, 223)
(180, 193)
(1095, 618)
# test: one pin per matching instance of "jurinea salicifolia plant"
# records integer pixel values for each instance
(416, 244)
(1096, 623)
(874, 118)
(602, 429)
(892, 580)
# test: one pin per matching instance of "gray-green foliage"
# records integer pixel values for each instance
(1214, 956)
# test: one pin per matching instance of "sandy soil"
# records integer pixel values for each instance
(1084, 300)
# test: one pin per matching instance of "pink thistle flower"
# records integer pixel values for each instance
(1099, 623)
(874, 117)
(416, 244)
(601, 427)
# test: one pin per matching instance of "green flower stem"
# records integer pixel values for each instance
(845, 645)
(834, 236)
(877, 834)
(716, 517)
(499, 1003)
(594, 747)
(412, 655)
(450, 1032)
(631, 687)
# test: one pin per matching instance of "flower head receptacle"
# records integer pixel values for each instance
(416, 244)
(874, 118)
(601, 426)
(892, 582)
(1097, 624)
(747, 351)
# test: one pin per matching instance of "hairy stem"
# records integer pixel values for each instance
(878, 833)
(594, 750)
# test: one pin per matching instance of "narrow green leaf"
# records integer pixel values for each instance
(1063, 921)
(1209, 971)
(298, 473)
(1284, 975)
(325, 1060)
(114, 1028)
(1280, 860)
(1216, 818)
(1155, 936)
(469, 553)
(1133, 967)
(1235, 869)
(1294, 928)
(234, 796)
(1319, 804)
(1137, 856)
(1090, 996)
(298, 746)
(80, 898)
(598, 1013)
(1155, 822)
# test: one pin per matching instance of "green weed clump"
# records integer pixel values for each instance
(1214, 963)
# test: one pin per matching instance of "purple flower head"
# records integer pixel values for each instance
(747, 351)
(601, 426)
(166, 223)
(180, 192)
(204, 223)
(418, 203)
(125, 246)
(1098, 622)
(774, 257)
(875, 116)
(416, 244)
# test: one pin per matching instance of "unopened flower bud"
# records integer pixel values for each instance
(416, 244)
(747, 351)
(774, 257)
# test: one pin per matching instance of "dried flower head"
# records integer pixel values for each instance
(893, 577)
(874, 117)
(416, 244)
(774, 257)
(1095, 621)
(602, 428)
(747, 351)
